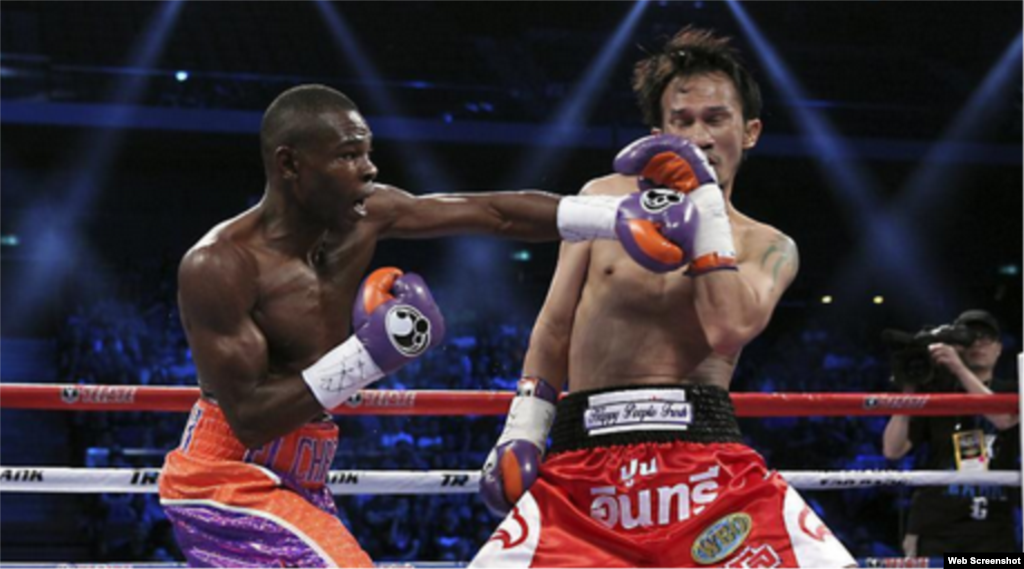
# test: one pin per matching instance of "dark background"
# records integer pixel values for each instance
(890, 78)
(462, 97)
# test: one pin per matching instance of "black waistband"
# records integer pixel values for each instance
(713, 420)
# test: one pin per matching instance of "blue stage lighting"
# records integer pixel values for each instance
(417, 157)
(900, 260)
(936, 173)
(181, 76)
(54, 239)
(522, 256)
(1009, 270)
(572, 115)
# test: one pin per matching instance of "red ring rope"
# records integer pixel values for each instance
(455, 403)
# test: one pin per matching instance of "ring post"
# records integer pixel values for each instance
(1020, 405)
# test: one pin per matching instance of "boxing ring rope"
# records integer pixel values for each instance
(71, 397)
(377, 482)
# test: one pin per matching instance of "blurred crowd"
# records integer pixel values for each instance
(132, 336)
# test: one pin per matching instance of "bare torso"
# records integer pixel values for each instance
(634, 327)
(267, 294)
(303, 305)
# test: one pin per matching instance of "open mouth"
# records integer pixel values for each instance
(360, 207)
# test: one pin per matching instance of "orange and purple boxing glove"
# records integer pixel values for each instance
(671, 162)
(395, 320)
(514, 463)
(657, 228)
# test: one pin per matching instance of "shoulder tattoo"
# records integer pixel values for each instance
(780, 254)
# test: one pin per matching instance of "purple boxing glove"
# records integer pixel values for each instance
(676, 163)
(515, 468)
(396, 321)
(657, 228)
(514, 464)
(396, 318)
(666, 161)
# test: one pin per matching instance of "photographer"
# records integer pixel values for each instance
(958, 518)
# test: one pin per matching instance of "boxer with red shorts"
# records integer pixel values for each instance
(657, 476)
(264, 300)
(646, 467)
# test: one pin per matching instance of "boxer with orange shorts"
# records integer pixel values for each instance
(264, 300)
(238, 507)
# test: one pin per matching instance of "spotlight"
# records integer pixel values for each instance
(1009, 270)
(9, 240)
(522, 256)
(827, 299)
(879, 299)
(181, 76)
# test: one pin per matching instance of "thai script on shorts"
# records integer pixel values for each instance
(660, 506)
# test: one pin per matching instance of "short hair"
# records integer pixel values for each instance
(294, 116)
(692, 51)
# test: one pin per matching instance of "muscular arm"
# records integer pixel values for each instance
(735, 306)
(523, 215)
(216, 293)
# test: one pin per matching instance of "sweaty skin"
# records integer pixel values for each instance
(266, 294)
(607, 322)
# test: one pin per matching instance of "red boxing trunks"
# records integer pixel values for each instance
(266, 507)
(657, 477)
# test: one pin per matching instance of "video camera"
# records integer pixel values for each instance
(912, 363)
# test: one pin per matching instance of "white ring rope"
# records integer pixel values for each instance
(348, 482)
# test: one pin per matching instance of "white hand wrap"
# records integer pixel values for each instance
(581, 218)
(529, 418)
(714, 234)
(341, 372)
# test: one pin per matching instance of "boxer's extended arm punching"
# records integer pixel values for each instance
(734, 299)
(512, 466)
(653, 231)
(217, 295)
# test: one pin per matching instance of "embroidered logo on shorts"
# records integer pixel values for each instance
(762, 556)
(811, 524)
(638, 410)
(721, 538)
(505, 538)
